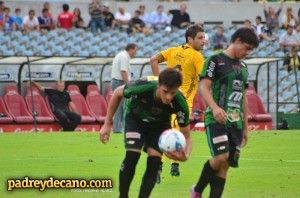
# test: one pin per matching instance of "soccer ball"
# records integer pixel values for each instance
(171, 140)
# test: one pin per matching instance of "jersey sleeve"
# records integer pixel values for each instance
(182, 110)
(209, 68)
(198, 62)
(166, 53)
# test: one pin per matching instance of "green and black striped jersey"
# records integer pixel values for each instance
(230, 78)
(142, 102)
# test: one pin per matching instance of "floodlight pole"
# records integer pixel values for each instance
(31, 94)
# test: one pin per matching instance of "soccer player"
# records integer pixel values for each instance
(189, 61)
(223, 81)
(149, 106)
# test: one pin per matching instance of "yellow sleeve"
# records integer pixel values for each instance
(198, 62)
(166, 53)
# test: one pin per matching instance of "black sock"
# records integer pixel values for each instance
(216, 187)
(127, 171)
(206, 176)
(149, 178)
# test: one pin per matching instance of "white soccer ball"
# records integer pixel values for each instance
(171, 140)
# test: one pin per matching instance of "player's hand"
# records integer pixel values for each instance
(245, 138)
(104, 134)
(220, 115)
(179, 156)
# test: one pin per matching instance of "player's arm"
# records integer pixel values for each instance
(187, 134)
(37, 85)
(154, 62)
(124, 76)
(219, 113)
(112, 108)
(245, 124)
(73, 107)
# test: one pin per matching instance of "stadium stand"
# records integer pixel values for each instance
(16, 105)
(40, 107)
(81, 106)
(255, 106)
(96, 103)
(5, 117)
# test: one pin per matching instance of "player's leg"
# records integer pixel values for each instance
(153, 161)
(133, 142)
(214, 170)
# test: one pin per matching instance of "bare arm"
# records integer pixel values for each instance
(245, 127)
(124, 76)
(219, 114)
(73, 107)
(37, 85)
(154, 61)
(112, 107)
(264, 5)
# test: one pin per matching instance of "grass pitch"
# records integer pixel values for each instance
(269, 165)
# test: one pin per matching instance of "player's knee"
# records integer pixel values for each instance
(220, 161)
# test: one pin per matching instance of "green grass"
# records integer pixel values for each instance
(269, 165)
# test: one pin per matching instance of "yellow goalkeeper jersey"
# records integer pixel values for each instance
(190, 62)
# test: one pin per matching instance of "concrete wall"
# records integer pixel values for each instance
(199, 11)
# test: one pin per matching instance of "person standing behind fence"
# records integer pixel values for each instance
(60, 101)
(120, 75)
(97, 17)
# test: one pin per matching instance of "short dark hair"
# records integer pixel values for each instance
(44, 10)
(130, 46)
(259, 18)
(65, 7)
(192, 31)
(171, 78)
(246, 35)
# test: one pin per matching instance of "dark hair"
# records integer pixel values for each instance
(246, 35)
(138, 12)
(44, 10)
(130, 46)
(65, 7)
(17, 10)
(31, 11)
(259, 18)
(192, 31)
(170, 77)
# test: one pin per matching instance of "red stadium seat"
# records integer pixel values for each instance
(16, 105)
(96, 103)
(256, 108)
(198, 109)
(5, 116)
(44, 115)
(81, 106)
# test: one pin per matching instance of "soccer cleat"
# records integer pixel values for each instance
(195, 194)
(175, 170)
(158, 179)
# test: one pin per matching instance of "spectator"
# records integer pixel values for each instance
(120, 75)
(31, 22)
(60, 101)
(292, 60)
(297, 32)
(122, 18)
(2, 6)
(259, 29)
(78, 18)
(109, 18)
(97, 17)
(288, 19)
(219, 40)
(136, 24)
(288, 40)
(46, 22)
(272, 17)
(144, 15)
(65, 19)
(47, 6)
(159, 18)
(8, 22)
(81, 25)
(181, 19)
(18, 19)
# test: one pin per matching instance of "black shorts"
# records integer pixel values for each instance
(139, 134)
(223, 139)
